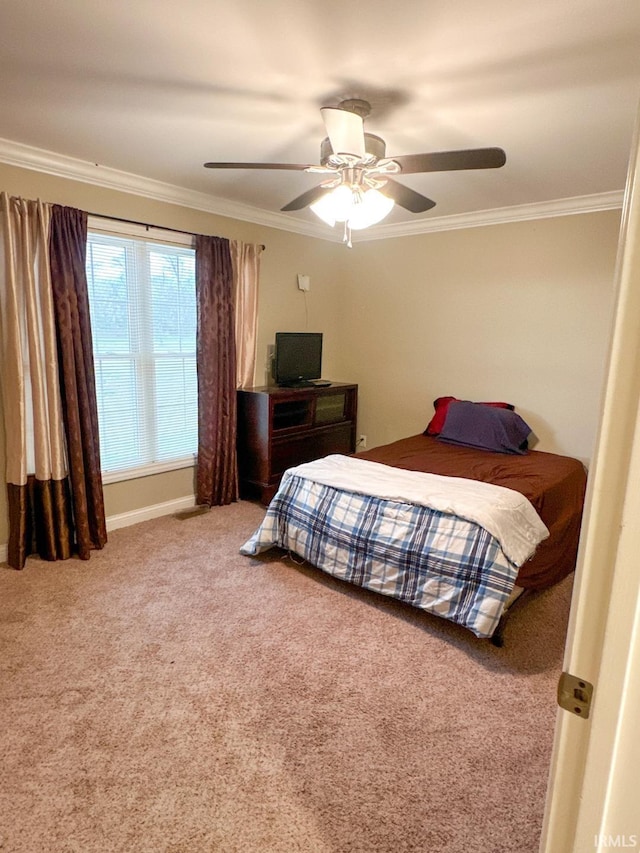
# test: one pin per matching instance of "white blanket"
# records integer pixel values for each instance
(504, 513)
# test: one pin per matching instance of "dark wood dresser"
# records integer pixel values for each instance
(282, 427)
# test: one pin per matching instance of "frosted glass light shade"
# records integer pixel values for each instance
(324, 209)
(372, 209)
(342, 202)
(335, 206)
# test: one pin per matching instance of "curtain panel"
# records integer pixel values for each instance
(67, 250)
(217, 470)
(42, 514)
(245, 258)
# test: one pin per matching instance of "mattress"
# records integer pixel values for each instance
(555, 485)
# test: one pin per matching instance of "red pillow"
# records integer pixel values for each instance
(441, 405)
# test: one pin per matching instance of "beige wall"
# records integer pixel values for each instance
(518, 311)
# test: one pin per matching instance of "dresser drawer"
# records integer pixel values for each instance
(316, 443)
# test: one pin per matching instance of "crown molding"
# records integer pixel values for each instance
(39, 160)
(498, 216)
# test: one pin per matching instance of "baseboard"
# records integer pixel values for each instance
(134, 516)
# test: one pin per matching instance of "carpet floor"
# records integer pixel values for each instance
(172, 696)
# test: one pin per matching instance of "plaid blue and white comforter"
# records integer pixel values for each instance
(434, 560)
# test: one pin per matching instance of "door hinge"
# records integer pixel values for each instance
(574, 694)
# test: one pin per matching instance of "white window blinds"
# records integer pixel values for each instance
(143, 319)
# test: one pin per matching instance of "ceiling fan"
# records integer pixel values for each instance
(359, 188)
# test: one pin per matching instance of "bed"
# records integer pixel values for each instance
(494, 523)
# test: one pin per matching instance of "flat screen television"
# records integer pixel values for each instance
(298, 358)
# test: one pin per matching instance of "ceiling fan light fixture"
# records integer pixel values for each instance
(349, 204)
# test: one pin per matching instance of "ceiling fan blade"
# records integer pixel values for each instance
(307, 198)
(345, 131)
(449, 161)
(297, 167)
(407, 198)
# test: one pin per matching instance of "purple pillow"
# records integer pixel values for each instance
(475, 425)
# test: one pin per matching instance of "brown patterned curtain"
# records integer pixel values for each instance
(42, 500)
(67, 248)
(216, 471)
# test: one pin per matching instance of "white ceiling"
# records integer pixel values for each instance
(155, 89)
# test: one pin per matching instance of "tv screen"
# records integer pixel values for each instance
(298, 357)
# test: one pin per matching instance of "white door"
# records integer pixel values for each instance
(593, 801)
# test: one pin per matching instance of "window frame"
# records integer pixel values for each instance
(148, 233)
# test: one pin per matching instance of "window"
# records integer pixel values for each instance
(143, 319)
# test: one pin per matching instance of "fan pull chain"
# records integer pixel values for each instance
(347, 235)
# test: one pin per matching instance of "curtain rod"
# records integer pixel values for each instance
(147, 225)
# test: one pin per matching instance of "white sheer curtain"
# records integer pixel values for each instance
(245, 258)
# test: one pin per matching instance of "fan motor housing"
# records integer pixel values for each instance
(374, 146)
